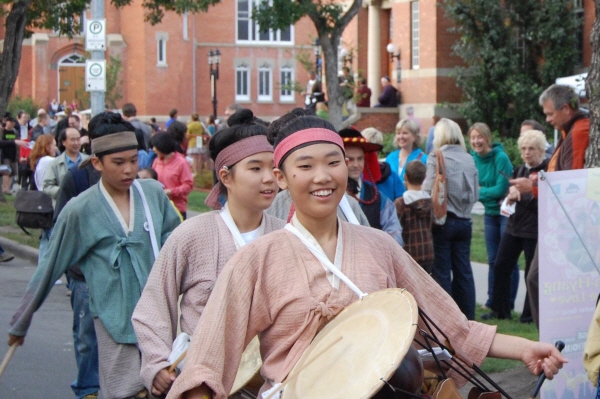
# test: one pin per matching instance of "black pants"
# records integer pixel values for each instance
(508, 254)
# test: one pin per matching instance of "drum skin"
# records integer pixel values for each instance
(408, 377)
(248, 376)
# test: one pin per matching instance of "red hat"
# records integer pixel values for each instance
(352, 137)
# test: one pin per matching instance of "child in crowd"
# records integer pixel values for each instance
(415, 211)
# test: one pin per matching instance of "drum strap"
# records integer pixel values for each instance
(347, 210)
(320, 255)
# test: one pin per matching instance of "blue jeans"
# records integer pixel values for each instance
(85, 343)
(493, 230)
(452, 266)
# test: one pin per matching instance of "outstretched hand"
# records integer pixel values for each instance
(14, 338)
(543, 357)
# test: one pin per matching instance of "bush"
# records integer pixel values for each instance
(17, 104)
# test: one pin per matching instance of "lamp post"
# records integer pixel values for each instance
(391, 48)
(214, 59)
(317, 49)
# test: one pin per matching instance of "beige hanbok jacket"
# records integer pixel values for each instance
(275, 287)
(188, 265)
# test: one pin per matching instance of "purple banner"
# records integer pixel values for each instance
(569, 254)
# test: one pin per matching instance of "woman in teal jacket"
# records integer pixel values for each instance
(408, 141)
(494, 168)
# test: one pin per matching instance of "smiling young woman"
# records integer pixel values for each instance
(286, 286)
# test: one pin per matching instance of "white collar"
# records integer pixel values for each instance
(115, 209)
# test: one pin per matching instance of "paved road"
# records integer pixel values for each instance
(44, 366)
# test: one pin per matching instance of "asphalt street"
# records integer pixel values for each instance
(44, 366)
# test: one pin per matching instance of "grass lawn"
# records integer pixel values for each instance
(196, 201)
(10, 230)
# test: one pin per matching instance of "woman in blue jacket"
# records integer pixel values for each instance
(408, 141)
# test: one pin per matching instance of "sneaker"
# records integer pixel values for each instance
(5, 257)
(58, 282)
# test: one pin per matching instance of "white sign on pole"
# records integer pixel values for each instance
(95, 34)
(95, 75)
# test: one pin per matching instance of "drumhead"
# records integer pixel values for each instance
(376, 332)
(249, 366)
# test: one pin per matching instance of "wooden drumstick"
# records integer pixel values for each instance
(7, 357)
(179, 359)
(293, 376)
(560, 346)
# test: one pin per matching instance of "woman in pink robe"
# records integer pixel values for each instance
(279, 289)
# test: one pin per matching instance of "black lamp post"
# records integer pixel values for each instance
(391, 48)
(317, 48)
(214, 59)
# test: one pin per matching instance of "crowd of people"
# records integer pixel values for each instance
(305, 219)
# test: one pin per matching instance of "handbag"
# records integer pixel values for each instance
(439, 193)
(34, 210)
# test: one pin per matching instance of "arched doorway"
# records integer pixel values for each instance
(71, 77)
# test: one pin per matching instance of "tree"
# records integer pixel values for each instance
(592, 88)
(513, 50)
(329, 19)
(63, 16)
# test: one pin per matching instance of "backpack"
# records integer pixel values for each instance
(439, 193)
(34, 210)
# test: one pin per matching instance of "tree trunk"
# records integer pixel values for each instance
(592, 83)
(16, 23)
(335, 100)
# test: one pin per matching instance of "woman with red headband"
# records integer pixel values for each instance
(287, 285)
(189, 263)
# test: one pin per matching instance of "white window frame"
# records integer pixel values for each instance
(415, 33)
(161, 48)
(265, 75)
(243, 68)
(273, 36)
(286, 95)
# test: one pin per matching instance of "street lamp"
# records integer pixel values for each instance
(391, 48)
(317, 49)
(214, 59)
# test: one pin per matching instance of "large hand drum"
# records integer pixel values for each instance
(359, 349)
(248, 377)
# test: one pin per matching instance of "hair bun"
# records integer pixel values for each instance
(242, 117)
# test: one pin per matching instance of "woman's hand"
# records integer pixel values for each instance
(543, 357)
(513, 195)
(12, 339)
(523, 184)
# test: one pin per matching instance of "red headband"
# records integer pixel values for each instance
(230, 156)
(303, 137)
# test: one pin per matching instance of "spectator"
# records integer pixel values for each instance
(62, 124)
(532, 124)
(363, 94)
(415, 211)
(196, 141)
(173, 117)
(452, 241)
(23, 118)
(407, 142)
(429, 143)
(317, 96)
(75, 123)
(10, 155)
(389, 95)
(312, 79)
(561, 107)
(390, 184)
(173, 171)
(130, 115)
(521, 233)
(42, 154)
(178, 131)
(494, 169)
(53, 107)
(154, 126)
(43, 121)
(210, 125)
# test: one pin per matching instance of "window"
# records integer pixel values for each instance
(242, 83)
(161, 48)
(186, 35)
(414, 17)
(265, 83)
(249, 31)
(286, 93)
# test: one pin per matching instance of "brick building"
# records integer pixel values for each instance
(166, 66)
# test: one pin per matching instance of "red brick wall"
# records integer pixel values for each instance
(383, 120)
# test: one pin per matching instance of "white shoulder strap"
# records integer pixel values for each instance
(325, 261)
(347, 210)
(150, 229)
(235, 232)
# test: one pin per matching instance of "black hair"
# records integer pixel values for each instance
(151, 172)
(106, 123)
(293, 122)
(244, 125)
(173, 113)
(74, 117)
(62, 136)
(534, 124)
(177, 130)
(415, 172)
(164, 142)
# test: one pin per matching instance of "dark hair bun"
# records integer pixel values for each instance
(241, 117)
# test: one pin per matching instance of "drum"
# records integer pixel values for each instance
(248, 379)
(358, 350)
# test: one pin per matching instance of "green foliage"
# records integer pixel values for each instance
(17, 104)
(512, 50)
